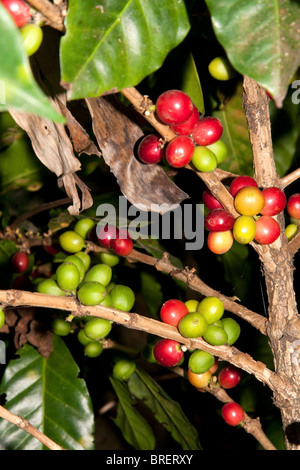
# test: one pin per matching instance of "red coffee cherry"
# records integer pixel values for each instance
(19, 11)
(293, 206)
(267, 230)
(275, 201)
(232, 413)
(168, 352)
(174, 107)
(172, 311)
(151, 149)
(240, 182)
(218, 220)
(230, 376)
(179, 151)
(208, 130)
(20, 262)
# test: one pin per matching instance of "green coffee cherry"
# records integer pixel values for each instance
(93, 349)
(192, 325)
(78, 263)
(109, 258)
(212, 309)
(147, 353)
(91, 293)
(83, 227)
(123, 369)
(232, 329)
(200, 361)
(61, 327)
(2, 317)
(71, 241)
(192, 305)
(97, 328)
(122, 297)
(107, 302)
(220, 150)
(221, 69)
(50, 287)
(67, 276)
(82, 338)
(101, 273)
(215, 335)
(85, 258)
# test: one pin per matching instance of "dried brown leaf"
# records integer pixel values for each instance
(116, 134)
(54, 149)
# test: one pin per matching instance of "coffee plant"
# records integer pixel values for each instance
(149, 211)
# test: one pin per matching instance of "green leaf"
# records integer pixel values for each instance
(167, 411)
(235, 135)
(18, 89)
(49, 394)
(191, 83)
(153, 247)
(7, 249)
(117, 43)
(135, 429)
(238, 269)
(19, 167)
(151, 292)
(285, 125)
(62, 221)
(261, 39)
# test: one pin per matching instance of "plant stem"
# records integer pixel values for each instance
(277, 266)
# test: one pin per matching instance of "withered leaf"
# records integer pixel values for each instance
(80, 138)
(54, 149)
(28, 329)
(143, 185)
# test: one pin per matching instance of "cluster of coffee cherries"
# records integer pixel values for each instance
(197, 140)
(204, 319)
(116, 239)
(87, 278)
(256, 221)
(194, 319)
(31, 34)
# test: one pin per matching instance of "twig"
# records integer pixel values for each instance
(53, 13)
(27, 427)
(252, 426)
(43, 207)
(290, 178)
(193, 282)
(144, 106)
(15, 298)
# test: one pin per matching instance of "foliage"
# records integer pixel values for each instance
(153, 46)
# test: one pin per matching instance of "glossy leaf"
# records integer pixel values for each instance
(135, 429)
(19, 167)
(7, 249)
(151, 292)
(285, 125)
(261, 39)
(49, 394)
(154, 248)
(18, 89)
(167, 411)
(238, 269)
(117, 43)
(235, 135)
(191, 83)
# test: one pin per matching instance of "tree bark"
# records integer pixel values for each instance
(278, 268)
